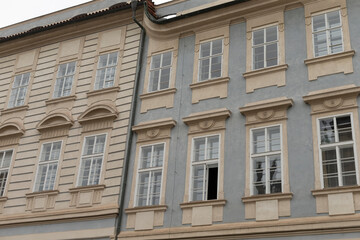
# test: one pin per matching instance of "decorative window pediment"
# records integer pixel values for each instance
(10, 132)
(55, 125)
(99, 116)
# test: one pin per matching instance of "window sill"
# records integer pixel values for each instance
(209, 89)
(338, 200)
(330, 64)
(157, 99)
(146, 217)
(60, 100)
(41, 201)
(103, 91)
(275, 76)
(267, 206)
(200, 213)
(86, 196)
(15, 109)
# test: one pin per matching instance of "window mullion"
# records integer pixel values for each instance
(338, 162)
(148, 199)
(204, 181)
(267, 176)
(90, 169)
(336, 133)
(327, 31)
(264, 47)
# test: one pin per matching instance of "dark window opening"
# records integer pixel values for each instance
(212, 183)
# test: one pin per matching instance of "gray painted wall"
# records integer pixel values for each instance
(300, 160)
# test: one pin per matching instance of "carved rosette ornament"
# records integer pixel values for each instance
(265, 115)
(152, 133)
(206, 124)
(333, 103)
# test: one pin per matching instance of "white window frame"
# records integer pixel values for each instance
(160, 69)
(337, 144)
(327, 30)
(90, 177)
(65, 77)
(207, 164)
(265, 154)
(264, 46)
(106, 67)
(150, 170)
(17, 89)
(210, 58)
(48, 163)
(5, 169)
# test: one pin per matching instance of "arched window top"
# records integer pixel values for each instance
(10, 132)
(98, 111)
(57, 119)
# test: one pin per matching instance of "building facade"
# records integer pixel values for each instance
(247, 123)
(66, 89)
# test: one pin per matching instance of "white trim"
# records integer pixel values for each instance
(210, 57)
(160, 70)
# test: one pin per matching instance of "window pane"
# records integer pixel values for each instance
(259, 141)
(271, 55)
(327, 131)
(166, 59)
(3, 178)
(330, 170)
(145, 157)
(100, 144)
(258, 56)
(25, 79)
(258, 37)
(89, 145)
(84, 171)
(205, 49)
(259, 175)
(55, 153)
(216, 67)
(275, 173)
(213, 147)
(204, 69)
(333, 19)
(198, 183)
(17, 81)
(344, 128)
(158, 155)
(62, 70)
(199, 149)
(155, 61)
(165, 77)
(271, 34)
(348, 166)
(319, 23)
(155, 187)
(143, 188)
(154, 79)
(217, 46)
(6, 156)
(320, 44)
(45, 156)
(103, 60)
(113, 59)
(274, 138)
(336, 40)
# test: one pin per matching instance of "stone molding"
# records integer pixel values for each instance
(86, 196)
(157, 99)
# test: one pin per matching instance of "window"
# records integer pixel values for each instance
(105, 74)
(266, 160)
(327, 33)
(64, 80)
(5, 159)
(205, 160)
(18, 91)
(160, 71)
(210, 59)
(150, 175)
(48, 165)
(337, 151)
(91, 160)
(265, 47)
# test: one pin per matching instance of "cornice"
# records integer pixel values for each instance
(351, 89)
(263, 197)
(217, 113)
(270, 103)
(163, 123)
(146, 209)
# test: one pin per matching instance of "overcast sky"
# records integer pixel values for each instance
(14, 11)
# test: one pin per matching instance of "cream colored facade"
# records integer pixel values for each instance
(70, 203)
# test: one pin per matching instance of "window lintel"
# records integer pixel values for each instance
(207, 115)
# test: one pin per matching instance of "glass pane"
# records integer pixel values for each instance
(165, 77)
(58, 87)
(155, 61)
(113, 59)
(158, 155)
(271, 55)
(155, 187)
(100, 77)
(145, 157)
(6, 159)
(258, 37)
(259, 175)
(102, 61)
(55, 153)
(216, 67)
(25, 79)
(62, 70)
(50, 178)
(274, 138)
(275, 173)
(258, 55)
(327, 131)
(3, 177)
(95, 170)
(336, 40)
(330, 170)
(271, 34)
(204, 69)
(40, 179)
(348, 166)
(71, 68)
(85, 171)
(333, 19)
(213, 147)
(13, 97)
(319, 23)
(154, 79)
(198, 183)
(45, 155)
(166, 61)
(199, 149)
(17, 81)
(320, 44)
(143, 188)
(67, 86)
(217, 46)
(258, 141)
(344, 128)
(205, 49)
(100, 144)
(89, 145)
